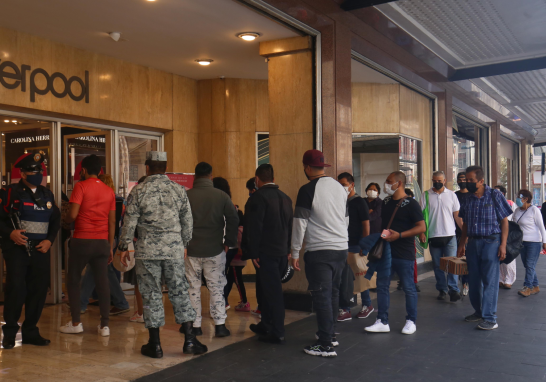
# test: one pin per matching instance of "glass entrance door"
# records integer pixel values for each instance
(77, 147)
(131, 157)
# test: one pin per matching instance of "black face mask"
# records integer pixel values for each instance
(438, 185)
(307, 176)
(462, 185)
(472, 187)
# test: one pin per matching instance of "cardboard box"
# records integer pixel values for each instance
(454, 265)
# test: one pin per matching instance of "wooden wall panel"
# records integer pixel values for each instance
(291, 94)
(185, 111)
(375, 108)
(262, 106)
(218, 109)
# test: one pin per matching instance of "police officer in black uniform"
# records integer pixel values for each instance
(29, 222)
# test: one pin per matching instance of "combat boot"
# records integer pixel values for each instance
(191, 343)
(153, 347)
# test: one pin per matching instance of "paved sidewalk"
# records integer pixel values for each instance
(444, 348)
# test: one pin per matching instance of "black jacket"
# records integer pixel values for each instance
(268, 224)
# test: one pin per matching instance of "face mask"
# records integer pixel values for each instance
(372, 194)
(438, 186)
(389, 190)
(347, 190)
(82, 177)
(35, 179)
(472, 187)
(519, 202)
(307, 176)
(462, 185)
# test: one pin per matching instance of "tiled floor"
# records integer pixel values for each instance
(89, 357)
(444, 348)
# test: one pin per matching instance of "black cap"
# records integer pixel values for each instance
(32, 162)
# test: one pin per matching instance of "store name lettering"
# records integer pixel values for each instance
(37, 138)
(18, 77)
(92, 139)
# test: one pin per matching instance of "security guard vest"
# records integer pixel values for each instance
(34, 220)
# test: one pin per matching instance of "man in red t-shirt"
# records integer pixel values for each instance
(93, 208)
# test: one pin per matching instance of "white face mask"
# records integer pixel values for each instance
(372, 194)
(388, 190)
(347, 189)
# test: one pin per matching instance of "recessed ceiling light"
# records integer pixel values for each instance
(150, 0)
(14, 120)
(6, 120)
(249, 36)
(203, 62)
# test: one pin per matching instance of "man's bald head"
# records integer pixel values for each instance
(398, 176)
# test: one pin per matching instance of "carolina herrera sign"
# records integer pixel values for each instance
(18, 77)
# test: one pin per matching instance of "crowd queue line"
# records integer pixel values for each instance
(182, 239)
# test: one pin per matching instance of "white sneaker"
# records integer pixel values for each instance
(105, 332)
(137, 317)
(378, 327)
(409, 328)
(70, 329)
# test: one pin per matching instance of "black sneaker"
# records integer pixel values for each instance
(272, 339)
(441, 295)
(321, 351)
(488, 325)
(335, 342)
(473, 318)
(221, 331)
(454, 296)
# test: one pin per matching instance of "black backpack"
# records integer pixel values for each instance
(514, 243)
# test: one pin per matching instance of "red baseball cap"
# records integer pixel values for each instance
(314, 158)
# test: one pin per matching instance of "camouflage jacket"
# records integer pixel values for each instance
(160, 212)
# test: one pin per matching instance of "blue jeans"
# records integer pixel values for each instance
(449, 250)
(404, 269)
(483, 275)
(529, 256)
(366, 300)
(116, 293)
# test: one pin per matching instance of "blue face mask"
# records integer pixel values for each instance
(35, 179)
(519, 203)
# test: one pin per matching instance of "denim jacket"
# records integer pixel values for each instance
(383, 266)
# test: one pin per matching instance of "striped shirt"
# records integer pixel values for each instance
(482, 215)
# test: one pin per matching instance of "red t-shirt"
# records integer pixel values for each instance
(96, 200)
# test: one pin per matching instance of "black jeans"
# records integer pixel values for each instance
(27, 283)
(323, 270)
(346, 288)
(258, 288)
(272, 304)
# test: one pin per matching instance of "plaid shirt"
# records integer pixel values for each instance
(482, 215)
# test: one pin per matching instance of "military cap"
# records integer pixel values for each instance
(155, 156)
(32, 162)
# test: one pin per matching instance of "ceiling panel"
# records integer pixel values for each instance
(164, 34)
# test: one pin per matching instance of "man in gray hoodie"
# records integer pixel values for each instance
(215, 225)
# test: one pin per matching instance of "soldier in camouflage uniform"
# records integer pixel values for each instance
(160, 212)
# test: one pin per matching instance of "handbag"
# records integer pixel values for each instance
(130, 260)
(426, 218)
(376, 253)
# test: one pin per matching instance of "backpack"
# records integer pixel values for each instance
(514, 242)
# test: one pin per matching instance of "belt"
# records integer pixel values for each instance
(493, 236)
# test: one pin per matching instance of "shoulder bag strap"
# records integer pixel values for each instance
(524, 213)
(395, 211)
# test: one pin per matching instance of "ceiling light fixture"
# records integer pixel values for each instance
(6, 120)
(14, 120)
(115, 36)
(204, 62)
(249, 36)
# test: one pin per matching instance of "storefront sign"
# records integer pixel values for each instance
(185, 180)
(19, 77)
(37, 138)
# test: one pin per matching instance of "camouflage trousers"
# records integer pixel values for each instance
(149, 283)
(214, 270)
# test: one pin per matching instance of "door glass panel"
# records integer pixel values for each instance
(132, 156)
(77, 144)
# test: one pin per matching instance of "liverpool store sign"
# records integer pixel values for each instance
(18, 77)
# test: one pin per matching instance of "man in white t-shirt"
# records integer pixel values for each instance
(443, 212)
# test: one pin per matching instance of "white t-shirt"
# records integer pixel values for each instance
(530, 222)
(441, 208)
